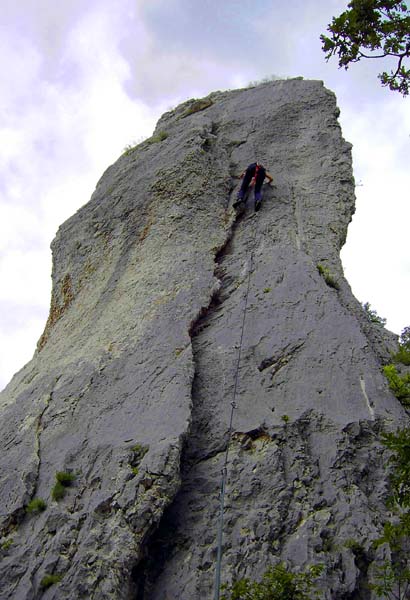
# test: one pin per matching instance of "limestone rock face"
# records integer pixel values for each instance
(131, 386)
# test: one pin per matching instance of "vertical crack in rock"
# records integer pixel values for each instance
(198, 446)
(38, 431)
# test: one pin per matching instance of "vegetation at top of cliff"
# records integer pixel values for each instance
(373, 29)
(154, 139)
(372, 315)
(392, 579)
(197, 106)
(277, 583)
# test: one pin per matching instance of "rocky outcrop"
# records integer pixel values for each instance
(131, 386)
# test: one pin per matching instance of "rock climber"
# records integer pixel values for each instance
(254, 174)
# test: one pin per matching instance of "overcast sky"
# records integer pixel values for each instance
(81, 80)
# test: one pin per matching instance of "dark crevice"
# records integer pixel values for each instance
(167, 539)
(275, 363)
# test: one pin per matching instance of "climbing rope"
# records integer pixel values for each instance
(230, 429)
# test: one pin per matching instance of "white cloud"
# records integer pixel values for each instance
(80, 81)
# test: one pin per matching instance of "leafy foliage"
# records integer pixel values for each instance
(399, 444)
(372, 315)
(403, 355)
(278, 583)
(392, 581)
(373, 29)
(393, 575)
(399, 384)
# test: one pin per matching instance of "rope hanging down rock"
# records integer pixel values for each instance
(230, 429)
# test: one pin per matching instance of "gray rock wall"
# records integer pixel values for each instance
(132, 383)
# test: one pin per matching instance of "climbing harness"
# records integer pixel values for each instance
(230, 429)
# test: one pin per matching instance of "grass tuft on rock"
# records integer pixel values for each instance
(63, 480)
(35, 506)
(49, 580)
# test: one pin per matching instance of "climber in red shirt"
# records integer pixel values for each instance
(254, 174)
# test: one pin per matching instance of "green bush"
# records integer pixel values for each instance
(391, 578)
(58, 491)
(403, 355)
(372, 315)
(65, 478)
(36, 505)
(63, 481)
(49, 580)
(399, 384)
(278, 583)
(327, 276)
(399, 444)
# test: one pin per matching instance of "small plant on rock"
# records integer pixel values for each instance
(7, 544)
(159, 137)
(65, 478)
(49, 580)
(138, 452)
(63, 481)
(327, 276)
(36, 505)
(372, 315)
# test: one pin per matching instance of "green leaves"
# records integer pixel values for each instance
(372, 29)
(278, 583)
(399, 385)
(372, 315)
(392, 577)
(399, 444)
(403, 355)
